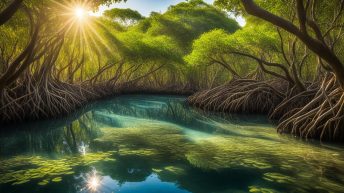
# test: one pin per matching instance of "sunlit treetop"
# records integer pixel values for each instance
(125, 16)
(139, 47)
(186, 21)
(96, 3)
(252, 39)
(235, 6)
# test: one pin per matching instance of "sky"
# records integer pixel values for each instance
(145, 7)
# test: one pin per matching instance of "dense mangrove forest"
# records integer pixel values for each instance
(171, 96)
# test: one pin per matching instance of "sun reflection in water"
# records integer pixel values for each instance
(93, 182)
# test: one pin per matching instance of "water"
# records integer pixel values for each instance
(157, 144)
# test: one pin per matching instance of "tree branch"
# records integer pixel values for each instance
(8, 12)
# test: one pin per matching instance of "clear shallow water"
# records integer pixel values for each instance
(157, 144)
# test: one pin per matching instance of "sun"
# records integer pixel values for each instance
(79, 13)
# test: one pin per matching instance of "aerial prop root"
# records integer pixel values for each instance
(322, 117)
(293, 101)
(239, 96)
(42, 99)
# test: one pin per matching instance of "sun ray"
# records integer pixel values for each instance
(83, 30)
(102, 40)
(96, 44)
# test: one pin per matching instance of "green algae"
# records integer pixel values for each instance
(221, 152)
(157, 141)
(44, 169)
(293, 161)
(156, 170)
(167, 143)
(257, 189)
(174, 169)
(279, 178)
(43, 183)
(57, 179)
(142, 152)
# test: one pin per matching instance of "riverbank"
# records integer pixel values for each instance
(315, 112)
(35, 105)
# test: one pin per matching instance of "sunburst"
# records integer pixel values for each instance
(80, 13)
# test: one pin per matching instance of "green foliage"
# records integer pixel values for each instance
(217, 46)
(236, 7)
(125, 16)
(186, 21)
(142, 47)
(323, 19)
(193, 30)
(95, 44)
(210, 44)
(96, 3)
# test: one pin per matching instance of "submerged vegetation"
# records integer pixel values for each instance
(45, 170)
(271, 157)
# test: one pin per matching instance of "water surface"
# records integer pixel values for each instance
(157, 144)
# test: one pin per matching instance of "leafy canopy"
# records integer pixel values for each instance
(186, 21)
(125, 16)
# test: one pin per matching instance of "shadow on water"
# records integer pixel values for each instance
(143, 143)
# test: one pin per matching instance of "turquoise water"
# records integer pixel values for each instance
(157, 144)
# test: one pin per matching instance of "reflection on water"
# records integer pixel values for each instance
(147, 144)
(82, 148)
(92, 181)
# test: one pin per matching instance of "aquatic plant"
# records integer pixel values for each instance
(45, 170)
(257, 189)
(158, 141)
(253, 148)
(277, 160)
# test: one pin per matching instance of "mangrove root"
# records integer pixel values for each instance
(322, 117)
(240, 96)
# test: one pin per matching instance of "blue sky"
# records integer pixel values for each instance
(145, 7)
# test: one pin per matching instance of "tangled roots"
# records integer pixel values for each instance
(239, 96)
(317, 112)
(293, 102)
(322, 117)
(51, 98)
(47, 99)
